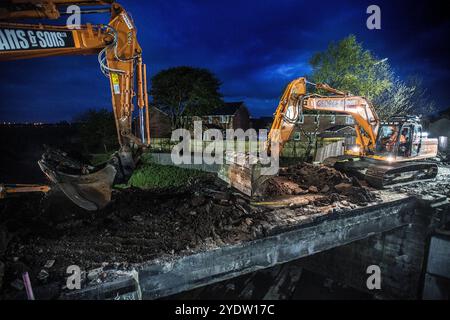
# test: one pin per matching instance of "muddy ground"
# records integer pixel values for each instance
(43, 235)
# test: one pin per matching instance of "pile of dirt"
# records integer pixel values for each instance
(320, 176)
(306, 178)
(45, 235)
(277, 186)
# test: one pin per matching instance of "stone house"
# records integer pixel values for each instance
(328, 125)
(232, 115)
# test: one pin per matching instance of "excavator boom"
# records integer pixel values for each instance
(295, 99)
(120, 59)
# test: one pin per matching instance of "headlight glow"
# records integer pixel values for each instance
(356, 149)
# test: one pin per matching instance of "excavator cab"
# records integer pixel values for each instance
(400, 145)
(399, 138)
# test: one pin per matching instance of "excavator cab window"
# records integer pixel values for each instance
(387, 138)
(404, 141)
(416, 140)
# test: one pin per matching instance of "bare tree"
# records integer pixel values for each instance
(396, 100)
(403, 98)
(421, 101)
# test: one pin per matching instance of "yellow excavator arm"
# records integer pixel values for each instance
(295, 99)
(120, 59)
(118, 50)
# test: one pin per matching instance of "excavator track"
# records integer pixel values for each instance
(380, 176)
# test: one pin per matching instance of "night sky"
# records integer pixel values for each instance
(254, 47)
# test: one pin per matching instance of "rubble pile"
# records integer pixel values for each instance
(304, 178)
(282, 186)
(437, 189)
(320, 176)
(45, 235)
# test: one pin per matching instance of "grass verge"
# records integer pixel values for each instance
(151, 175)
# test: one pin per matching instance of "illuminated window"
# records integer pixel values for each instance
(223, 119)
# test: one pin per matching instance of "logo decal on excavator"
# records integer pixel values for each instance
(28, 39)
(115, 83)
(337, 103)
(127, 21)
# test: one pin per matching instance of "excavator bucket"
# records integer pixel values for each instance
(87, 186)
(243, 173)
(91, 191)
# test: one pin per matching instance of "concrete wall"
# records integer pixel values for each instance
(162, 278)
(400, 254)
(395, 236)
(173, 274)
(437, 277)
(330, 150)
(439, 128)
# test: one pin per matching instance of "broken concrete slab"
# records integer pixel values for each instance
(161, 278)
(121, 285)
(172, 274)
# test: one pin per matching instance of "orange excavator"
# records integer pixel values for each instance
(385, 152)
(120, 60)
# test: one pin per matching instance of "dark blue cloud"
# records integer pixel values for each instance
(254, 47)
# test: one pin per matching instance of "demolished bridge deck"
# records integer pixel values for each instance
(299, 237)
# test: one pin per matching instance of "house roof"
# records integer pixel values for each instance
(158, 109)
(338, 128)
(228, 109)
(262, 122)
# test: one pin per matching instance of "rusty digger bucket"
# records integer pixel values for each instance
(243, 173)
(89, 187)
